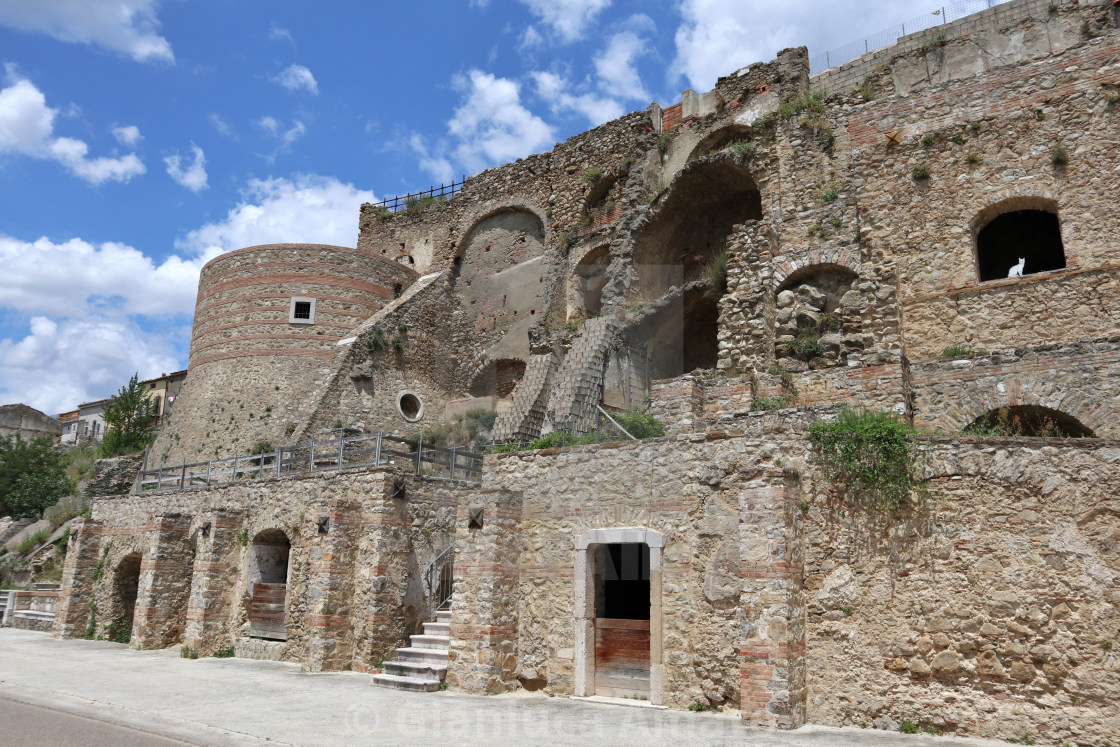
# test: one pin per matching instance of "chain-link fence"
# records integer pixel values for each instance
(938, 17)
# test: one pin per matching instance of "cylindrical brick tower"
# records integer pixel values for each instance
(266, 325)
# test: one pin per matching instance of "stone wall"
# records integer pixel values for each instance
(27, 422)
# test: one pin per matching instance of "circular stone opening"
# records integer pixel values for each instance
(410, 406)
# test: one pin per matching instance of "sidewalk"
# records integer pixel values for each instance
(238, 701)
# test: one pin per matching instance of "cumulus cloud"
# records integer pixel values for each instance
(192, 176)
(491, 125)
(286, 137)
(129, 27)
(309, 208)
(567, 18)
(296, 78)
(717, 37)
(76, 278)
(27, 128)
(439, 167)
(616, 65)
(128, 136)
(558, 91)
(60, 364)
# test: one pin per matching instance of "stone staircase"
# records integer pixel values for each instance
(421, 667)
(526, 415)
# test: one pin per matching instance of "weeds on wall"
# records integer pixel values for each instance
(869, 462)
(1060, 156)
(741, 148)
(376, 341)
(639, 423)
(717, 271)
(593, 174)
(663, 142)
(91, 625)
(468, 429)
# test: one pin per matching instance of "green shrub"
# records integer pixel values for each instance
(640, 424)
(663, 142)
(807, 344)
(186, 652)
(921, 172)
(129, 420)
(118, 633)
(741, 148)
(1060, 156)
(974, 158)
(771, 403)
(593, 174)
(376, 341)
(813, 102)
(957, 351)
(829, 323)
(1112, 99)
(830, 195)
(907, 727)
(717, 271)
(867, 458)
(33, 541)
(224, 653)
(91, 624)
(383, 212)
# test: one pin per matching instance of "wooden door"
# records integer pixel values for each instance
(266, 611)
(621, 657)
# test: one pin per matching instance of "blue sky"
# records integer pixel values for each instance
(140, 138)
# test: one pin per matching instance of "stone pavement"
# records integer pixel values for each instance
(238, 701)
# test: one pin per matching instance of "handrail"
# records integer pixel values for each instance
(442, 589)
(615, 422)
(342, 452)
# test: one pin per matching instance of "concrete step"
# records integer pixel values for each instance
(441, 642)
(429, 655)
(437, 628)
(410, 684)
(418, 669)
(443, 616)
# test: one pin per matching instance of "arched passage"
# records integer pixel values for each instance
(588, 281)
(1020, 231)
(1028, 420)
(681, 242)
(268, 580)
(126, 585)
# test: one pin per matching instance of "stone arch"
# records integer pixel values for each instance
(126, 587)
(521, 216)
(812, 319)
(717, 140)
(603, 203)
(268, 574)
(799, 263)
(586, 548)
(1033, 420)
(1021, 227)
(588, 278)
(706, 201)
(977, 398)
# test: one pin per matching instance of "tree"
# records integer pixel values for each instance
(129, 420)
(30, 472)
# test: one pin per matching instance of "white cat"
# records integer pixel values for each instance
(1017, 270)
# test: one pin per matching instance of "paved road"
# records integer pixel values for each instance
(108, 687)
(26, 724)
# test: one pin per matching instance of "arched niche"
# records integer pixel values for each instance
(1028, 420)
(683, 239)
(720, 139)
(267, 584)
(498, 241)
(810, 321)
(588, 280)
(1019, 230)
(602, 203)
(126, 587)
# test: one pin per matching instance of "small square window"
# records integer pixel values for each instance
(302, 311)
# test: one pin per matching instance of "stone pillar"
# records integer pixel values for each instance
(484, 616)
(165, 584)
(212, 605)
(329, 595)
(772, 668)
(747, 311)
(76, 590)
(382, 578)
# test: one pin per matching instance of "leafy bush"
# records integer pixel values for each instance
(741, 148)
(186, 652)
(640, 424)
(907, 727)
(37, 491)
(376, 341)
(38, 460)
(867, 458)
(383, 212)
(224, 653)
(1060, 156)
(465, 430)
(129, 420)
(118, 633)
(830, 195)
(813, 102)
(807, 344)
(31, 542)
(921, 172)
(829, 323)
(663, 142)
(957, 351)
(780, 402)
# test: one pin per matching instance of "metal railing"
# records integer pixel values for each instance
(404, 202)
(942, 15)
(439, 578)
(338, 453)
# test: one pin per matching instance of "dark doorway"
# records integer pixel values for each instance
(622, 620)
(268, 585)
(126, 586)
(1033, 236)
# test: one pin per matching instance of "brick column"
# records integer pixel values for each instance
(165, 584)
(330, 644)
(484, 609)
(76, 589)
(382, 555)
(772, 668)
(212, 604)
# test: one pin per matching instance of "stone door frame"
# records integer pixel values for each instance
(585, 605)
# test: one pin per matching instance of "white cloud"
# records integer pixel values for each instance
(567, 18)
(273, 127)
(128, 136)
(530, 39)
(616, 66)
(491, 126)
(221, 125)
(77, 278)
(277, 33)
(60, 364)
(126, 26)
(27, 128)
(298, 77)
(193, 177)
(557, 91)
(717, 37)
(309, 208)
(439, 167)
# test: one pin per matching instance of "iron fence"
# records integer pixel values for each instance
(938, 17)
(337, 453)
(404, 202)
(439, 577)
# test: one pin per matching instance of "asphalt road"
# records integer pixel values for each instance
(52, 691)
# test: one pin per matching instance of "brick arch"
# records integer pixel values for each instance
(718, 139)
(800, 263)
(1090, 408)
(1008, 200)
